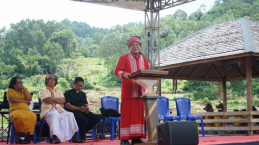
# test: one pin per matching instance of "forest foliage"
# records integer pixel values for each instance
(31, 48)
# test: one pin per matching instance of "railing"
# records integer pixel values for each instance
(250, 122)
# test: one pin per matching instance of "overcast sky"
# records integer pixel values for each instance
(13, 11)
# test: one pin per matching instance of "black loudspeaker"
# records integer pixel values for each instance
(178, 133)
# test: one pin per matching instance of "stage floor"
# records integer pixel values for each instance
(208, 140)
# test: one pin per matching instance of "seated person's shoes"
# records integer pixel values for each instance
(19, 141)
(56, 140)
(83, 138)
(136, 141)
(28, 141)
(125, 142)
(75, 139)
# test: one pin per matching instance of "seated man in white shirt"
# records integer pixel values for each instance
(62, 124)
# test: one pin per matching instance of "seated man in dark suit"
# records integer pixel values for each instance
(76, 103)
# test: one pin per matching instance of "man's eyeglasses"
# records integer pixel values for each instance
(137, 45)
(20, 82)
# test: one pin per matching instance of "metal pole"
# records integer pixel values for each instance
(148, 35)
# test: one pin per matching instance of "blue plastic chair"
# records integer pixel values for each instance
(41, 125)
(13, 131)
(93, 132)
(163, 110)
(109, 102)
(183, 106)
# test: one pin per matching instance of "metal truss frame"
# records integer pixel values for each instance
(164, 4)
(152, 42)
(152, 18)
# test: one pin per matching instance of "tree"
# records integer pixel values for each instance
(251, 2)
(236, 13)
(170, 39)
(255, 88)
(65, 39)
(2, 33)
(1, 53)
(111, 48)
(98, 38)
(92, 49)
(32, 65)
(34, 52)
(217, 2)
(187, 29)
(2, 68)
(8, 69)
(83, 50)
(180, 14)
(55, 53)
(202, 8)
(45, 64)
(202, 24)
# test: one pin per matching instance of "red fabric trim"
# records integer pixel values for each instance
(132, 119)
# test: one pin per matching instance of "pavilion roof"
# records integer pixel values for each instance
(216, 50)
(224, 39)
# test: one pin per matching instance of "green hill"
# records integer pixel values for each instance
(31, 48)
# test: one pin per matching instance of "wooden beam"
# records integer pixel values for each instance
(204, 61)
(216, 71)
(195, 70)
(223, 121)
(254, 113)
(173, 84)
(238, 72)
(243, 60)
(232, 61)
(254, 54)
(179, 71)
(231, 71)
(255, 71)
(224, 88)
(254, 120)
(220, 89)
(227, 62)
(207, 79)
(159, 87)
(193, 78)
(254, 59)
(240, 78)
(255, 128)
(222, 113)
(249, 92)
(227, 120)
(208, 74)
(225, 128)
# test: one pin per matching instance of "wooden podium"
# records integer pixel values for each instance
(147, 79)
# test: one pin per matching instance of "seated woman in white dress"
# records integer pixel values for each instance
(62, 124)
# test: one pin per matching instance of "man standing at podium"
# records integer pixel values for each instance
(132, 108)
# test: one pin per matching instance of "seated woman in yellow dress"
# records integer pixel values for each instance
(220, 108)
(209, 108)
(240, 117)
(23, 119)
